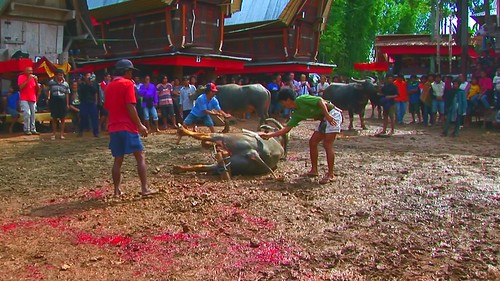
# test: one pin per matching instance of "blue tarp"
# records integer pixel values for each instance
(257, 11)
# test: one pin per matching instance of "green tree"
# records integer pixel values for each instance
(353, 26)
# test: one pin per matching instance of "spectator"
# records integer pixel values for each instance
(401, 99)
(323, 84)
(58, 102)
(426, 99)
(486, 85)
(185, 102)
(150, 100)
(294, 83)
(452, 110)
(138, 105)
(437, 99)
(74, 106)
(87, 94)
(463, 91)
(103, 114)
(124, 126)
(304, 86)
(165, 102)
(176, 88)
(205, 105)
(42, 104)
(496, 82)
(389, 92)
(28, 86)
(414, 93)
(473, 95)
(273, 88)
(12, 106)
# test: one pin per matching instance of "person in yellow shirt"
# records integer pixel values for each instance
(474, 88)
(473, 91)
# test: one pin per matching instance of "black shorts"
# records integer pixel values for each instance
(167, 111)
(58, 108)
(102, 112)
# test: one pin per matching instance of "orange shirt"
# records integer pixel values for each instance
(119, 93)
(28, 93)
(402, 90)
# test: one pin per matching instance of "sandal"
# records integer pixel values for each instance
(150, 192)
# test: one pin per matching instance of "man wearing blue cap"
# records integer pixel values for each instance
(205, 105)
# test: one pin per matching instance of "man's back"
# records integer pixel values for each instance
(119, 93)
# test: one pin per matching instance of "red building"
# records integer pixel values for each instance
(414, 54)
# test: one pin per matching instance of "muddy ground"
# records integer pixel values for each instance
(413, 206)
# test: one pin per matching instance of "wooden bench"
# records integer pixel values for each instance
(39, 117)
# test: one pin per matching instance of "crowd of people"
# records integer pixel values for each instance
(433, 99)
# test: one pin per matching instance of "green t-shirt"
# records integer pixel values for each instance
(307, 108)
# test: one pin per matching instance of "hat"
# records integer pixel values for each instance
(125, 64)
(59, 71)
(211, 87)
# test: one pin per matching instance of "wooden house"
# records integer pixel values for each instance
(279, 35)
(184, 35)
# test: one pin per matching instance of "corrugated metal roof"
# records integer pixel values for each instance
(116, 8)
(95, 4)
(257, 11)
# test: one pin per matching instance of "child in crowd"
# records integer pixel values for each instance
(414, 93)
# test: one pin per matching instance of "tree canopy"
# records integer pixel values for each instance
(353, 25)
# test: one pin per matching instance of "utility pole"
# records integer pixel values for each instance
(463, 32)
(438, 37)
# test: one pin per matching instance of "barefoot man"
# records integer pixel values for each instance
(124, 125)
(313, 107)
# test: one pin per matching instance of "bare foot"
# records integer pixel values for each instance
(148, 192)
(327, 179)
(118, 193)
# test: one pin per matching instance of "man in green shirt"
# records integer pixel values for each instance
(313, 107)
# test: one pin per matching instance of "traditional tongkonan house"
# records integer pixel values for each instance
(279, 35)
(415, 54)
(176, 37)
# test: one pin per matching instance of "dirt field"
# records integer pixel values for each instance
(413, 206)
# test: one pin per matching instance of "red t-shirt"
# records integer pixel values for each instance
(402, 90)
(28, 93)
(118, 94)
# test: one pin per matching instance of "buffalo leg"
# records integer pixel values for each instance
(177, 169)
(181, 131)
(351, 120)
(362, 119)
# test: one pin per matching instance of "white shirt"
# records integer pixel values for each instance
(322, 87)
(496, 81)
(184, 100)
(438, 89)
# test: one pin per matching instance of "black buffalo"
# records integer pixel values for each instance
(352, 97)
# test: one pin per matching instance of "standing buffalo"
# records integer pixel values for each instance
(352, 97)
(236, 99)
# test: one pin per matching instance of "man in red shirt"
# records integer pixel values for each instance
(124, 125)
(402, 99)
(28, 88)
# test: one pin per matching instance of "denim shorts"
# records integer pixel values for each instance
(191, 120)
(438, 106)
(124, 142)
(150, 112)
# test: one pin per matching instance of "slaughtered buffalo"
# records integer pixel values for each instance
(238, 100)
(352, 97)
(247, 152)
